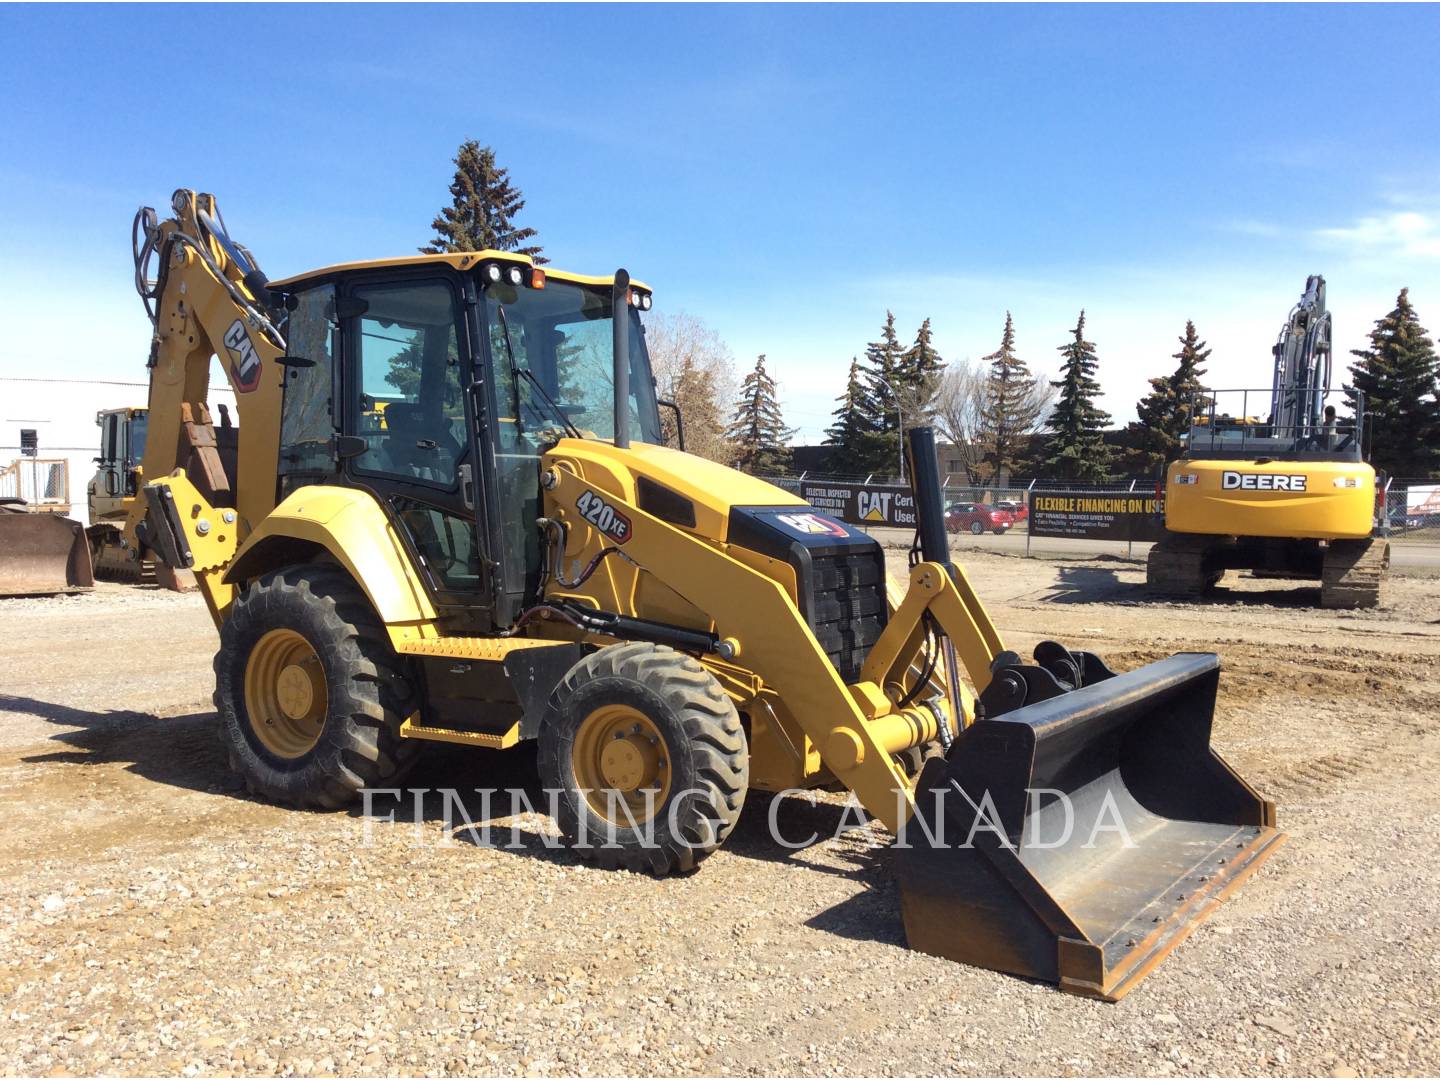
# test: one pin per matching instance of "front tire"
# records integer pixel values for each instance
(310, 694)
(648, 758)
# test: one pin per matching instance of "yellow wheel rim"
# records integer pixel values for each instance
(621, 761)
(285, 693)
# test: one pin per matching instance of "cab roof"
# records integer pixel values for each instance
(460, 260)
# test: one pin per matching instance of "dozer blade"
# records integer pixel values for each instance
(43, 553)
(1084, 836)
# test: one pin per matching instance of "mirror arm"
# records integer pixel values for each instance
(679, 420)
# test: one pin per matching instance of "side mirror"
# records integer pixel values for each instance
(679, 420)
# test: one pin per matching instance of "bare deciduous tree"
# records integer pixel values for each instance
(960, 406)
(695, 369)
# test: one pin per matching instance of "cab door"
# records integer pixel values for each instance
(412, 425)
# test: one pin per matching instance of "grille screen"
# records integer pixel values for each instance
(846, 606)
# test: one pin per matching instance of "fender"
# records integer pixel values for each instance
(351, 526)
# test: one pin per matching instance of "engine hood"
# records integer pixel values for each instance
(692, 492)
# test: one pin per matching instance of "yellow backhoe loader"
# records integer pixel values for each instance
(451, 517)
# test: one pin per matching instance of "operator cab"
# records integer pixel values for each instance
(436, 383)
(1229, 426)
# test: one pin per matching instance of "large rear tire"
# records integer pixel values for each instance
(310, 694)
(648, 758)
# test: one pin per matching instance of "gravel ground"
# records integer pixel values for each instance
(155, 920)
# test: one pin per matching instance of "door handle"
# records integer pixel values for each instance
(467, 485)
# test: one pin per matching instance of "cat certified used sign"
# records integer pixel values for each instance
(863, 504)
(1095, 515)
(1238, 481)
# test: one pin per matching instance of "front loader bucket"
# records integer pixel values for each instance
(42, 553)
(1159, 830)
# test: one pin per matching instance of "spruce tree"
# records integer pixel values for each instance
(483, 207)
(757, 429)
(1010, 407)
(1398, 375)
(1165, 413)
(1075, 448)
(853, 433)
(919, 373)
(883, 369)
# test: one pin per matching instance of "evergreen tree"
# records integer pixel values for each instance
(1398, 375)
(1011, 404)
(1165, 412)
(883, 368)
(920, 369)
(1075, 448)
(853, 432)
(757, 429)
(483, 207)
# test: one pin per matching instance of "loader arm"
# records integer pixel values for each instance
(856, 727)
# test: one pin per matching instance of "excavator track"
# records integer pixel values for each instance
(1177, 566)
(1353, 573)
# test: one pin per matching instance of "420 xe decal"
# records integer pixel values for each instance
(603, 516)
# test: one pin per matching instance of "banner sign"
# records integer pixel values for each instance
(1095, 515)
(863, 504)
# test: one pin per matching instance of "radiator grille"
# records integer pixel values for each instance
(846, 605)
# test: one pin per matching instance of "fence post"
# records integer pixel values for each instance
(1130, 538)
(1029, 515)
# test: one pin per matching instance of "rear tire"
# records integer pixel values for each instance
(976, 528)
(679, 764)
(310, 694)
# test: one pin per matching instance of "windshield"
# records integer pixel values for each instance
(551, 349)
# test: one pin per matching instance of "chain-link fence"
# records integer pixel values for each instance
(1410, 509)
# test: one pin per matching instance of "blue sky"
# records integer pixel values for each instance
(786, 174)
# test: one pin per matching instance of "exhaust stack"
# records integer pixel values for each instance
(620, 317)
